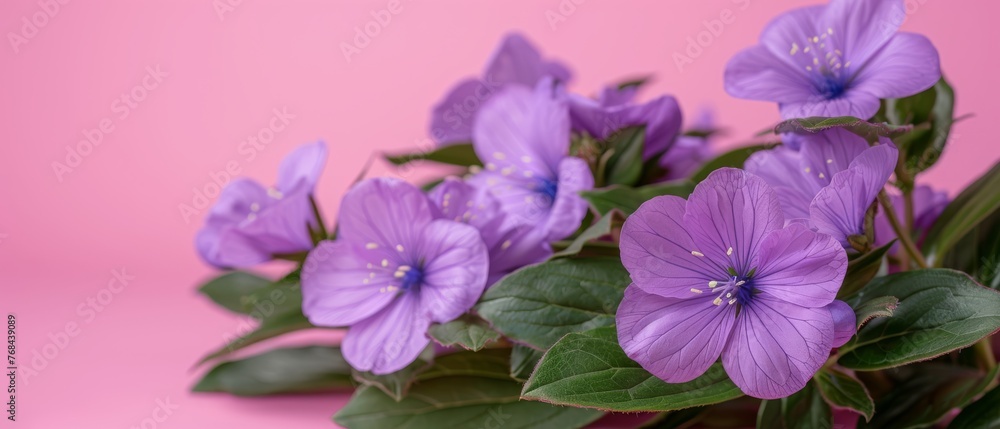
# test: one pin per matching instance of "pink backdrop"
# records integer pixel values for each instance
(199, 77)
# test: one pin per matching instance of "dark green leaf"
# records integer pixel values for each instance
(624, 167)
(975, 204)
(539, 304)
(805, 409)
(862, 269)
(635, 82)
(983, 414)
(523, 360)
(978, 252)
(291, 370)
(734, 158)
(629, 199)
(447, 396)
(232, 290)
(932, 111)
(458, 154)
(928, 396)
(590, 369)
(599, 229)
(844, 391)
(489, 363)
(277, 325)
(398, 383)
(939, 311)
(468, 331)
(865, 129)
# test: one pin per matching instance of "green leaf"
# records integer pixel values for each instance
(590, 369)
(490, 363)
(863, 128)
(734, 158)
(634, 82)
(982, 414)
(805, 409)
(978, 252)
(928, 396)
(975, 204)
(523, 360)
(862, 269)
(882, 306)
(939, 311)
(233, 289)
(628, 200)
(468, 331)
(290, 370)
(398, 383)
(624, 167)
(845, 391)
(449, 397)
(599, 229)
(458, 154)
(539, 304)
(932, 111)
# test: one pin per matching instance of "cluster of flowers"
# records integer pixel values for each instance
(747, 267)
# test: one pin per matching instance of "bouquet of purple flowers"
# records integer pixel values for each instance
(592, 260)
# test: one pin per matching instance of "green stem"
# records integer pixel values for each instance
(901, 231)
(319, 220)
(984, 354)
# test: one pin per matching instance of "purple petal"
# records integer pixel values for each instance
(384, 213)
(839, 209)
(656, 249)
(520, 130)
(927, 206)
(390, 340)
(569, 208)
(685, 156)
(452, 117)
(300, 170)
(248, 225)
(861, 27)
(844, 322)
(799, 266)
(829, 152)
(776, 347)
(732, 209)
(516, 248)
(457, 265)
(517, 61)
(601, 119)
(676, 340)
(343, 284)
(859, 104)
(795, 27)
(755, 73)
(907, 65)
(781, 168)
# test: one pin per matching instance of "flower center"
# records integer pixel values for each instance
(823, 62)
(733, 290)
(548, 188)
(831, 88)
(409, 277)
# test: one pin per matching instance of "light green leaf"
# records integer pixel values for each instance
(628, 200)
(868, 130)
(624, 167)
(599, 229)
(844, 391)
(804, 409)
(469, 332)
(539, 304)
(523, 360)
(398, 383)
(457, 154)
(590, 369)
(882, 306)
(233, 290)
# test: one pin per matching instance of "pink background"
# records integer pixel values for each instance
(118, 209)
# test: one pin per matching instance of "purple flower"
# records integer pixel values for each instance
(522, 136)
(927, 206)
(250, 224)
(689, 153)
(510, 248)
(516, 62)
(720, 274)
(392, 271)
(830, 182)
(615, 109)
(835, 60)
